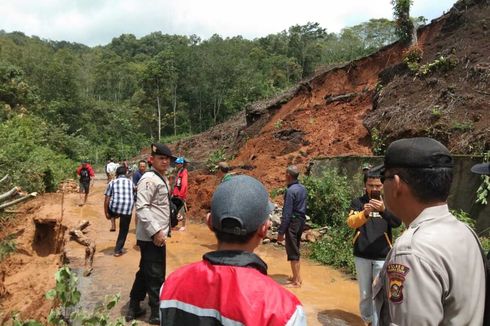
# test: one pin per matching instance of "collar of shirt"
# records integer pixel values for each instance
(293, 183)
(236, 258)
(430, 213)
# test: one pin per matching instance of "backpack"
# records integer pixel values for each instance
(173, 208)
(84, 175)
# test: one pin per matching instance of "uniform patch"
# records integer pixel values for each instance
(396, 276)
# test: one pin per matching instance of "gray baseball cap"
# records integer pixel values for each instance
(242, 199)
(482, 168)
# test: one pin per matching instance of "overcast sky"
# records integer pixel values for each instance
(96, 22)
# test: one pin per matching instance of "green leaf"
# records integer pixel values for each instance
(51, 294)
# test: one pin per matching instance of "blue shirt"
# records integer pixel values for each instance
(121, 192)
(136, 177)
(295, 200)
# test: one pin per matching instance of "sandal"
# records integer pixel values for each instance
(117, 254)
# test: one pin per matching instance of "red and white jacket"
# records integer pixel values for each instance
(180, 188)
(228, 288)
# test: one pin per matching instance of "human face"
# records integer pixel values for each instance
(373, 184)
(142, 167)
(161, 163)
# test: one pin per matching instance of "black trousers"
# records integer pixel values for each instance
(150, 275)
(124, 222)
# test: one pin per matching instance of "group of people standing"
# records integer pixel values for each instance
(434, 274)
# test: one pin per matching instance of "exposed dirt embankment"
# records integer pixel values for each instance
(450, 103)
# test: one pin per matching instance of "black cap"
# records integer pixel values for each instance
(161, 149)
(420, 152)
(242, 199)
(482, 168)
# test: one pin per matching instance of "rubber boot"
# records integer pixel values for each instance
(154, 316)
(134, 311)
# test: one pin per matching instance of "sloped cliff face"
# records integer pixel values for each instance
(335, 112)
(452, 101)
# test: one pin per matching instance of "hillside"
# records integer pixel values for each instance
(336, 111)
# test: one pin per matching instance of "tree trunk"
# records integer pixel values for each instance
(159, 118)
(89, 244)
(175, 108)
(4, 178)
(19, 200)
(200, 112)
(8, 194)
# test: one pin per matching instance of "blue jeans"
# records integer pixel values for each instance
(367, 270)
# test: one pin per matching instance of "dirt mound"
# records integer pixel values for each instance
(449, 103)
(38, 239)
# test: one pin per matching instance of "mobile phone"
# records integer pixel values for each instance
(376, 194)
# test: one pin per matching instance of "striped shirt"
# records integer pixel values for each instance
(122, 198)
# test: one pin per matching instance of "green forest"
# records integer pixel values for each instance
(64, 102)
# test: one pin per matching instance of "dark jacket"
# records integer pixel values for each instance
(373, 236)
(295, 200)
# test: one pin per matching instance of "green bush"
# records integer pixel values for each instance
(27, 156)
(329, 198)
(464, 217)
(335, 248)
(217, 156)
(7, 246)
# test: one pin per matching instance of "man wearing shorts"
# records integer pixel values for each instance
(293, 221)
(86, 174)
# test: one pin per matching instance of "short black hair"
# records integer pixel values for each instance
(427, 184)
(141, 161)
(121, 170)
(370, 175)
(232, 238)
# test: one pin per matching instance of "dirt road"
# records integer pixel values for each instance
(329, 297)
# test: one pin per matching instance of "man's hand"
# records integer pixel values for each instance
(280, 237)
(368, 209)
(377, 205)
(159, 239)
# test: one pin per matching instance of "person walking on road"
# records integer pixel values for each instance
(372, 240)
(434, 274)
(230, 286)
(118, 203)
(86, 174)
(111, 170)
(153, 213)
(293, 221)
(179, 194)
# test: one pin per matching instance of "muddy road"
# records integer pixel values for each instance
(328, 296)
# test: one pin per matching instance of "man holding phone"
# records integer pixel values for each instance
(372, 240)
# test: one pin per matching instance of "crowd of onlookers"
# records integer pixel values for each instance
(433, 274)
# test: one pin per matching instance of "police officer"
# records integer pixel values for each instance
(153, 213)
(434, 273)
